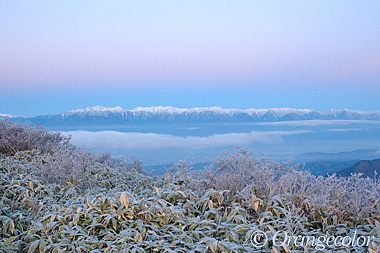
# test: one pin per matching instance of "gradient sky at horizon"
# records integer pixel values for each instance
(60, 55)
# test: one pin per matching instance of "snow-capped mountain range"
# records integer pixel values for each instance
(116, 115)
(2, 115)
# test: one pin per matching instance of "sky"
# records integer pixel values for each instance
(57, 56)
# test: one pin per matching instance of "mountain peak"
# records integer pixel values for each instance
(4, 115)
(95, 110)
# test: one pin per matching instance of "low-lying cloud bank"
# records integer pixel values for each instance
(316, 123)
(112, 140)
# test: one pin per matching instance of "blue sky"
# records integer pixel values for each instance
(60, 55)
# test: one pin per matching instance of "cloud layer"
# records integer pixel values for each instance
(113, 140)
(316, 123)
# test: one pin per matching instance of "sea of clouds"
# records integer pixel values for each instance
(113, 140)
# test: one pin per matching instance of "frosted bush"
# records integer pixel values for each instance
(351, 198)
(58, 198)
(55, 159)
(15, 137)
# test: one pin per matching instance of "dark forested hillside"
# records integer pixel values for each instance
(368, 168)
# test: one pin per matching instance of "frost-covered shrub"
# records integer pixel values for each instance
(55, 159)
(257, 179)
(69, 200)
(15, 137)
(235, 171)
(125, 211)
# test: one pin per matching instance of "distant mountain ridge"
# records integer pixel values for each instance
(2, 115)
(366, 167)
(359, 154)
(322, 168)
(168, 114)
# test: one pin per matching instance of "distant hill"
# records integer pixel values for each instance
(322, 168)
(359, 154)
(366, 167)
